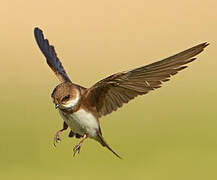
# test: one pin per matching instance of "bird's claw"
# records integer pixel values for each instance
(57, 139)
(76, 149)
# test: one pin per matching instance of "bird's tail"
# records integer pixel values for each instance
(103, 142)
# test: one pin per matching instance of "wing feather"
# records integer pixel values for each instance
(112, 92)
(51, 56)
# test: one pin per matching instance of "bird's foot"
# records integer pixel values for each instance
(77, 148)
(57, 138)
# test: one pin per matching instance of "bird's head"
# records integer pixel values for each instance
(65, 95)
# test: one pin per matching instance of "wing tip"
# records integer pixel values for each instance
(36, 28)
(37, 32)
(203, 45)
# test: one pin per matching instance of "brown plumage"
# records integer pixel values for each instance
(81, 108)
(112, 92)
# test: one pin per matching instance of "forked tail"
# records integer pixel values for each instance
(103, 142)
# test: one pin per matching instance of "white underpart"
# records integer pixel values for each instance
(81, 122)
(73, 102)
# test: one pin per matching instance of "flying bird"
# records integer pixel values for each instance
(81, 108)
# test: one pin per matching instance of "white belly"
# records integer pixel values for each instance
(81, 122)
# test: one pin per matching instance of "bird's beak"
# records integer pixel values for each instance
(57, 105)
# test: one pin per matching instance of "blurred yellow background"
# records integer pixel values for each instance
(168, 134)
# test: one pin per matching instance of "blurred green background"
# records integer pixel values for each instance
(168, 134)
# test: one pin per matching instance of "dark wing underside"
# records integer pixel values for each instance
(112, 92)
(51, 56)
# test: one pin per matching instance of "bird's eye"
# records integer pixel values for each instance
(66, 98)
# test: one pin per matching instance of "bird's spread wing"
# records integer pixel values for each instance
(51, 56)
(112, 92)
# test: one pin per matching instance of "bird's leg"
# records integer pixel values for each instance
(77, 148)
(58, 133)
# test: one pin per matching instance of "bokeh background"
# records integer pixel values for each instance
(168, 134)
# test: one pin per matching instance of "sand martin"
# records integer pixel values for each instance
(81, 108)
